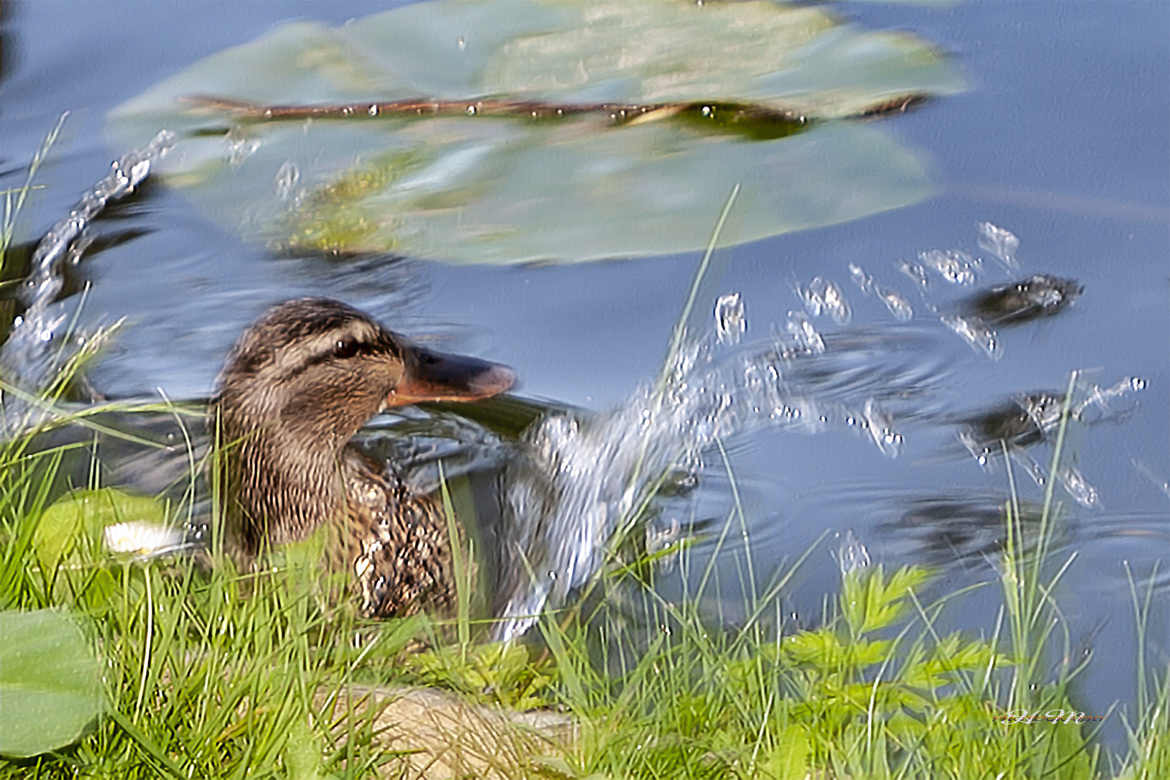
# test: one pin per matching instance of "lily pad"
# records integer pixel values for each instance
(483, 188)
(50, 682)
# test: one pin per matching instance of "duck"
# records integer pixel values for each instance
(294, 390)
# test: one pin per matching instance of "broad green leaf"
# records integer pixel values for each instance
(302, 753)
(789, 758)
(483, 189)
(85, 514)
(50, 682)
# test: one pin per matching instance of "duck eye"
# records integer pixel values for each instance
(345, 348)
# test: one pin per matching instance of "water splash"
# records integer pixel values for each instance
(27, 358)
(730, 319)
(954, 265)
(1077, 486)
(582, 482)
(825, 297)
(1036, 418)
(1101, 403)
(285, 182)
(851, 555)
(895, 304)
(1001, 243)
(980, 336)
(915, 272)
(804, 334)
(880, 425)
(239, 145)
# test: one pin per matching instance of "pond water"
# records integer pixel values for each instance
(1062, 138)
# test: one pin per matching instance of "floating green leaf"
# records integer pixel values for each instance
(486, 189)
(50, 682)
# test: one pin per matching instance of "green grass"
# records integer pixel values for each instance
(220, 673)
(876, 691)
(14, 199)
(217, 675)
(212, 672)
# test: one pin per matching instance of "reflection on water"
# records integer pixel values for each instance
(963, 528)
(977, 318)
(1040, 295)
(1030, 419)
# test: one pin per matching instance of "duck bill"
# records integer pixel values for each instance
(436, 376)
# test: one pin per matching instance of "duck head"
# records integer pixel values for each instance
(294, 390)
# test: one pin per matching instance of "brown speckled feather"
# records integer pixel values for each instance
(398, 544)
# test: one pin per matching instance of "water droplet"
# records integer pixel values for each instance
(880, 425)
(730, 319)
(915, 272)
(801, 329)
(1079, 488)
(852, 556)
(240, 146)
(954, 265)
(897, 305)
(999, 242)
(287, 177)
(860, 277)
(978, 335)
(825, 297)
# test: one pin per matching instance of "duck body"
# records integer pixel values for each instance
(297, 386)
(398, 543)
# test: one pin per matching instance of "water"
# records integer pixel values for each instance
(1036, 175)
(584, 481)
(31, 356)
